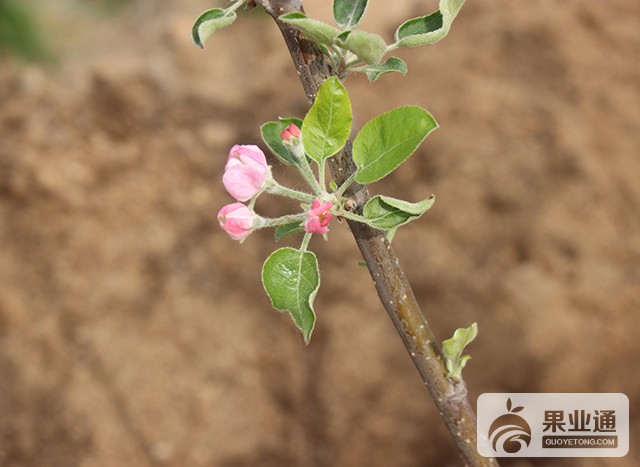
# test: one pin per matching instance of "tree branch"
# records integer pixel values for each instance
(390, 281)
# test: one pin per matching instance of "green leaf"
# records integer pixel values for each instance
(348, 13)
(369, 47)
(270, 132)
(388, 140)
(429, 29)
(392, 64)
(291, 279)
(315, 30)
(288, 229)
(452, 350)
(327, 125)
(385, 213)
(209, 22)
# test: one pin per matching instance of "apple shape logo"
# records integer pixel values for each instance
(510, 432)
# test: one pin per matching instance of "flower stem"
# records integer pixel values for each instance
(282, 220)
(275, 188)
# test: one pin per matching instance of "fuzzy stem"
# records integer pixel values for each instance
(393, 288)
(274, 188)
(305, 170)
(265, 222)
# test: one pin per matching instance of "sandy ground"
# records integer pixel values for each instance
(133, 332)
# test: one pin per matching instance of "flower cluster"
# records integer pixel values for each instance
(247, 175)
(291, 276)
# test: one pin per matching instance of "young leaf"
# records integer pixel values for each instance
(429, 29)
(367, 46)
(315, 30)
(270, 132)
(388, 140)
(291, 279)
(392, 64)
(385, 213)
(452, 350)
(327, 125)
(348, 13)
(288, 229)
(209, 22)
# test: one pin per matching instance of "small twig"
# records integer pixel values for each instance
(390, 281)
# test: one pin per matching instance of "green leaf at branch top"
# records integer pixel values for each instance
(452, 350)
(288, 229)
(271, 135)
(315, 30)
(388, 140)
(327, 125)
(348, 13)
(367, 46)
(392, 64)
(385, 213)
(209, 22)
(429, 29)
(291, 279)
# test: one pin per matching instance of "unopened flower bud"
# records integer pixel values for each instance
(318, 217)
(246, 172)
(237, 220)
(291, 132)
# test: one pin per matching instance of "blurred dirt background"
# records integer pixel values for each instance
(134, 332)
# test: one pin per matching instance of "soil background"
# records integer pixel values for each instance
(134, 332)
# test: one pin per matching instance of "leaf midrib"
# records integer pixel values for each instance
(326, 131)
(384, 153)
(299, 277)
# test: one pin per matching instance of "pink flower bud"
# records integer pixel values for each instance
(292, 131)
(318, 217)
(237, 220)
(246, 172)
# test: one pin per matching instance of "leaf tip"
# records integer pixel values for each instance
(307, 338)
(197, 43)
(195, 36)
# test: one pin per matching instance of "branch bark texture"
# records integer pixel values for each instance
(390, 281)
